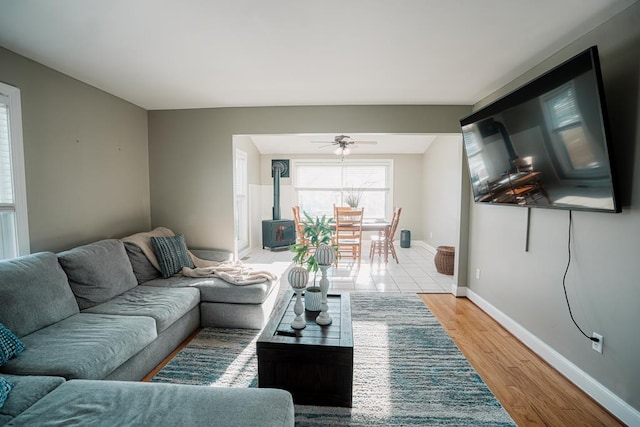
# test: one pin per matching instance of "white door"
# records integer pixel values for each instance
(241, 197)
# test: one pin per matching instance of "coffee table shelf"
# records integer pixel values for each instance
(315, 364)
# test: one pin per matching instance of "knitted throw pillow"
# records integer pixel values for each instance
(172, 254)
(10, 345)
(5, 388)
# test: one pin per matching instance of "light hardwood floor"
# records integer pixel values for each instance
(531, 391)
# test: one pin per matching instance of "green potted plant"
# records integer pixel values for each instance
(316, 231)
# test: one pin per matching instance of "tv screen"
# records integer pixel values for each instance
(546, 144)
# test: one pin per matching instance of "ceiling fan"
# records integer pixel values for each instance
(344, 144)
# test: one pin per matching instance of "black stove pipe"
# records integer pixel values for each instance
(277, 170)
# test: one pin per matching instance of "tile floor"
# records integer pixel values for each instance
(415, 273)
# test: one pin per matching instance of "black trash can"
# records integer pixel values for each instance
(405, 238)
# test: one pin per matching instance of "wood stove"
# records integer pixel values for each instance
(278, 233)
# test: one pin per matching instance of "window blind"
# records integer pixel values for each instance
(6, 184)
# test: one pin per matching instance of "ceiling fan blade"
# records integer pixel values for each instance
(323, 142)
(366, 142)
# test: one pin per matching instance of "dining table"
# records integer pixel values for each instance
(373, 226)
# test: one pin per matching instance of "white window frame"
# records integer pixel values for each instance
(388, 190)
(557, 142)
(19, 205)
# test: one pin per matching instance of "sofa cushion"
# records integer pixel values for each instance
(109, 403)
(10, 345)
(165, 305)
(27, 390)
(98, 271)
(34, 293)
(142, 267)
(212, 254)
(83, 346)
(172, 254)
(213, 289)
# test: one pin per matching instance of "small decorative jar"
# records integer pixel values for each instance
(324, 255)
(298, 277)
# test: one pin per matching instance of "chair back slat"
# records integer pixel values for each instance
(348, 236)
(394, 223)
(299, 225)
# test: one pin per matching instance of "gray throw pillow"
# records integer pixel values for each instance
(142, 267)
(98, 272)
(172, 254)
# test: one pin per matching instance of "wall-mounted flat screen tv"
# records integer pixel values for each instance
(546, 144)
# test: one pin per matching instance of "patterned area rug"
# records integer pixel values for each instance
(407, 371)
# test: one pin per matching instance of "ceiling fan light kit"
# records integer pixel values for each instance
(342, 151)
(342, 143)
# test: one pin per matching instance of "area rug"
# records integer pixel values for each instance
(407, 370)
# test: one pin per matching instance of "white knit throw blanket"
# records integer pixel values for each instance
(234, 272)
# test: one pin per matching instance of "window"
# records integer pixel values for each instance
(321, 184)
(577, 152)
(475, 156)
(14, 230)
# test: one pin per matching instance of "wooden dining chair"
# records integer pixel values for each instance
(384, 239)
(533, 189)
(299, 225)
(348, 235)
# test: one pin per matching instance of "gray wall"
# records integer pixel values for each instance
(442, 166)
(190, 154)
(602, 284)
(86, 158)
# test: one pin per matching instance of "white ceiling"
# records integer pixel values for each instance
(385, 143)
(167, 54)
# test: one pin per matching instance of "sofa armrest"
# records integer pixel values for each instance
(212, 254)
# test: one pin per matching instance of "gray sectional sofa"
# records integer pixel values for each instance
(98, 312)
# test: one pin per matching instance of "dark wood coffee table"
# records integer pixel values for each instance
(314, 364)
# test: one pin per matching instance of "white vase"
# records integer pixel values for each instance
(313, 298)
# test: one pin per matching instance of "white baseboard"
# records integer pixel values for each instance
(458, 291)
(424, 245)
(618, 407)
